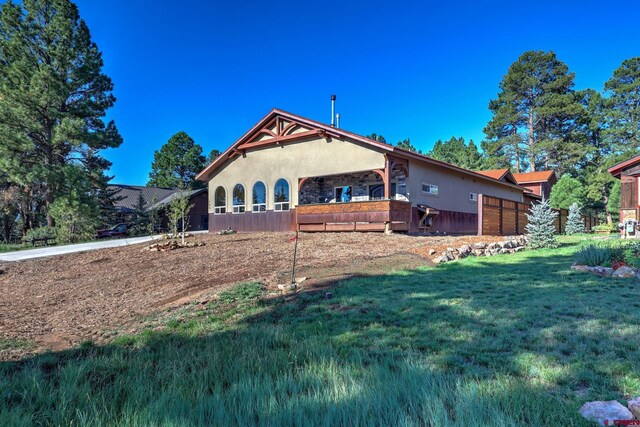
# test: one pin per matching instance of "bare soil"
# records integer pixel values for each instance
(60, 301)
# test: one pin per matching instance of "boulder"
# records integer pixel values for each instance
(464, 249)
(624, 272)
(441, 259)
(479, 245)
(452, 250)
(601, 271)
(604, 413)
(449, 255)
(518, 249)
(478, 252)
(634, 406)
(432, 252)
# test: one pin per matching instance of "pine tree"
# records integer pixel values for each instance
(541, 229)
(566, 192)
(535, 114)
(574, 225)
(54, 98)
(623, 112)
(177, 163)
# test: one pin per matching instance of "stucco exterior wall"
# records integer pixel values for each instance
(292, 161)
(453, 188)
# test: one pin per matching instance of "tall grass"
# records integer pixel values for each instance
(501, 341)
(594, 255)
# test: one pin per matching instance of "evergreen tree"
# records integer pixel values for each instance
(405, 144)
(213, 154)
(566, 192)
(541, 228)
(177, 163)
(54, 96)
(141, 221)
(623, 112)
(377, 137)
(457, 152)
(613, 204)
(575, 224)
(534, 116)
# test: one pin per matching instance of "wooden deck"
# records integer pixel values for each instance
(375, 215)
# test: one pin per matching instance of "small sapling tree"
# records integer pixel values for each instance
(575, 225)
(178, 213)
(541, 228)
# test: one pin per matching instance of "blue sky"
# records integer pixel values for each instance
(418, 70)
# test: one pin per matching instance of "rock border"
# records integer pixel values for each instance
(624, 272)
(508, 246)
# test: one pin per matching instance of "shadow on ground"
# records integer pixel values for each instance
(510, 340)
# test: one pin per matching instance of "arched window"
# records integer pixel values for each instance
(281, 195)
(238, 199)
(259, 197)
(220, 201)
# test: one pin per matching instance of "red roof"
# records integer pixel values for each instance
(616, 170)
(494, 173)
(538, 176)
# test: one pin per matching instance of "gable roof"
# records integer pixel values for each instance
(128, 195)
(616, 170)
(322, 129)
(500, 174)
(532, 177)
(173, 196)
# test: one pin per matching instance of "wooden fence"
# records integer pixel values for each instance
(501, 217)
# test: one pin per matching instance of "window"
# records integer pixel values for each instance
(343, 194)
(473, 197)
(259, 197)
(220, 201)
(430, 189)
(376, 191)
(238, 199)
(281, 196)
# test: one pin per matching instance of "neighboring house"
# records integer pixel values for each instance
(158, 198)
(539, 182)
(628, 172)
(288, 172)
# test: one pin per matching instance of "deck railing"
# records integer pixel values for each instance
(371, 215)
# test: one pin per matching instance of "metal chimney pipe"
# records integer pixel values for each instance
(338, 120)
(333, 111)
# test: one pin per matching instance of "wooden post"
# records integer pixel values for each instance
(480, 213)
(387, 178)
(500, 219)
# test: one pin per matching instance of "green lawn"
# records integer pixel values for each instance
(10, 247)
(508, 340)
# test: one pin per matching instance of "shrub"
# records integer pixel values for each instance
(593, 255)
(605, 227)
(40, 232)
(541, 228)
(575, 225)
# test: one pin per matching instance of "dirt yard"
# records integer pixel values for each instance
(57, 302)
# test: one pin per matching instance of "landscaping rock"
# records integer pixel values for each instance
(604, 413)
(518, 249)
(449, 255)
(601, 271)
(478, 252)
(432, 252)
(634, 406)
(479, 245)
(578, 267)
(624, 272)
(464, 249)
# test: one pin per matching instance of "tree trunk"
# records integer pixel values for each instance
(532, 154)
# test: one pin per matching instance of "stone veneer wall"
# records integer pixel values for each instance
(321, 190)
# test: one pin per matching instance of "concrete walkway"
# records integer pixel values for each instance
(70, 249)
(80, 247)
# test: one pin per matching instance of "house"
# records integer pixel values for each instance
(539, 182)
(127, 197)
(288, 172)
(628, 172)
